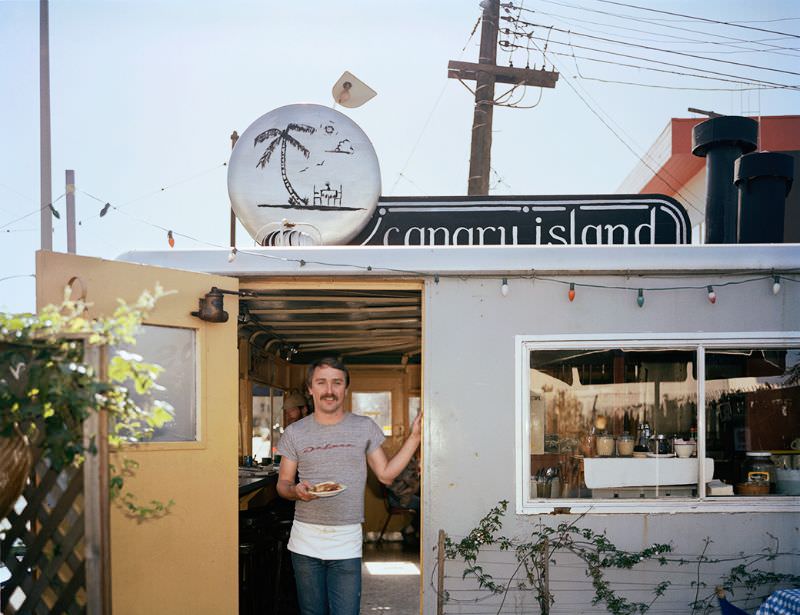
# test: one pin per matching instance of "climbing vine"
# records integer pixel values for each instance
(599, 556)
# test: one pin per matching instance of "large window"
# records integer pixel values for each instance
(607, 424)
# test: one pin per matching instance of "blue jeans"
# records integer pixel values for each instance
(327, 587)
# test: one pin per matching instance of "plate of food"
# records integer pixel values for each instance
(327, 489)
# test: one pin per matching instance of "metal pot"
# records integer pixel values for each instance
(659, 445)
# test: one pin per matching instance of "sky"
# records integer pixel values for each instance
(145, 95)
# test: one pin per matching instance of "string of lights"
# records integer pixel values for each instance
(722, 280)
(20, 230)
(146, 195)
(36, 211)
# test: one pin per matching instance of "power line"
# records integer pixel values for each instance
(672, 39)
(641, 159)
(655, 85)
(736, 22)
(649, 48)
(400, 174)
(652, 23)
(662, 63)
(506, 44)
(696, 18)
(21, 275)
(663, 70)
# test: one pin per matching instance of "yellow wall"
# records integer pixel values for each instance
(186, 562)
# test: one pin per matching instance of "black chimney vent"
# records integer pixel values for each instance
(721, 140)
(764, 180)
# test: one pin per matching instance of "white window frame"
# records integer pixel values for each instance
(524, 344)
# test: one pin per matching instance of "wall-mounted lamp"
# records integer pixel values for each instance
(211, 307)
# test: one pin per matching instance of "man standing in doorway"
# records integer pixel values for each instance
(332, 445)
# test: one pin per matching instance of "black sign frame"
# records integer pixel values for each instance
(616, 219)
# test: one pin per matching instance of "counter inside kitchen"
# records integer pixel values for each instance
(266, 578)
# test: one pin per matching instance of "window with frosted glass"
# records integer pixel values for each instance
(175, 350)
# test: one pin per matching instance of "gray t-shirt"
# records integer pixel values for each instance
(336, 453)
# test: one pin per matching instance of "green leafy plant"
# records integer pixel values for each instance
(48, 387)
(754, 582)
(599, 555)
(535, 554)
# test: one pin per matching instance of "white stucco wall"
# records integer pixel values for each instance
(469, 385)
(469, 397)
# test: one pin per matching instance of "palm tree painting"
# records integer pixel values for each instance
(283, 138)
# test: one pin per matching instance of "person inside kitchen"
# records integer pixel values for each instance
(404, 493)
(295, 407)
(332, 445)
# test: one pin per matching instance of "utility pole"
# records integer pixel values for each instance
(486, 74)
(69, 190)
(45, 173)
(234, 139)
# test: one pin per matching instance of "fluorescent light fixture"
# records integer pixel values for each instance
(392, 568)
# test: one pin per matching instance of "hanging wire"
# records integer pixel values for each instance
(656, 49)
(147, 195)
(651, 22)
(35, 211)
(703, 19)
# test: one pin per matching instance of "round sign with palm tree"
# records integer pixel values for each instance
(303, 175)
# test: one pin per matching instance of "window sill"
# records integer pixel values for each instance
(721, 504)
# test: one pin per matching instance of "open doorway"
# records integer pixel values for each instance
(376, 329)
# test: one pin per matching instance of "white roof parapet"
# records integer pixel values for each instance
(477, 261)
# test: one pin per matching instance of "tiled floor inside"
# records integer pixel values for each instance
(390, 594)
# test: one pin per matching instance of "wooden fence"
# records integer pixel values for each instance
(55, 543)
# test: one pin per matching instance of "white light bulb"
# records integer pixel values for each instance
(504, 287)
(776, 287)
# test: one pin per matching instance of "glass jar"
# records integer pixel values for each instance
(758, 468)
(625, 444)
(605, 445)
